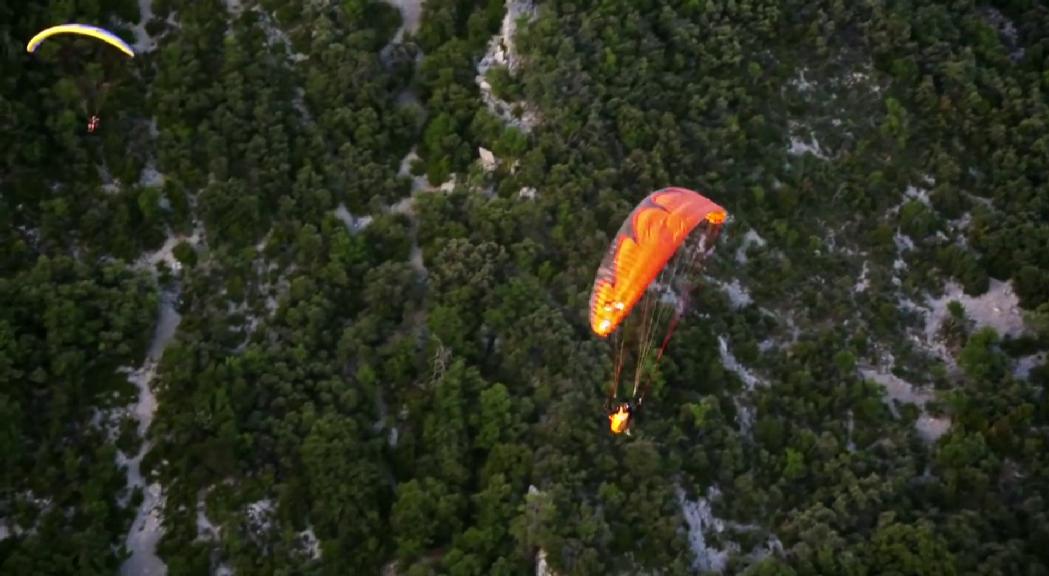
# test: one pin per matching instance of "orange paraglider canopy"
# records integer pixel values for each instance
(647, 240)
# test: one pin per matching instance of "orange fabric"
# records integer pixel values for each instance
(618, 421)
(649, 237)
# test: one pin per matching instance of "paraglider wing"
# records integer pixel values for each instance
(83, 30)
(647, 240)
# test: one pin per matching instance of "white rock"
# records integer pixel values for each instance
(488, 160)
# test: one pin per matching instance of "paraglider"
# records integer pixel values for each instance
(651, 263)
(93, 93)
(619, 419)
(82, 30)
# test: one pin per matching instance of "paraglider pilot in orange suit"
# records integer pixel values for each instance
(621, 417)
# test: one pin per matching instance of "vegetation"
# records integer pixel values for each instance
(420, 392)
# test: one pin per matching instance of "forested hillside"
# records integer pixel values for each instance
(313, 297)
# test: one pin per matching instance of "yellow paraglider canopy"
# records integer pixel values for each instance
(83, 30)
